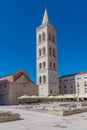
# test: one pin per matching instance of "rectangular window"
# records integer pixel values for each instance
(85, 77)
(65, 91)
(66, 80)
(78, 90)
(78, 84)
(85, 90)
(72, 79)
(65, 86)
(60, 80)
(71, 91)
(85, 83)
(50, 91)
(71, 86)
(78, 78)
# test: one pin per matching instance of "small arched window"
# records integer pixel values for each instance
(53, 38)
(40, 66)
(54, 52)
(50, 65)
(54, 65)
(39, 52)
(50, 51)
(44, 51)
(40, 79)
(39, 38)
(44, 79)
(44, 36)
(49, 36)
(44, 65)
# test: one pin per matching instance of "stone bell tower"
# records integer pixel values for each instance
(46, 49)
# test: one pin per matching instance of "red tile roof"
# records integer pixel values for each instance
(14, 76)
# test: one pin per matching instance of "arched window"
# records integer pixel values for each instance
(44, 65)
(53, 38)
(44, 79)
(54, 65)
(50, 51)
(39, 38)
(54, 52)
(49, 36)
(39, 52)
(40, 79)
(50, 65)
(40, 66)
(44, 36)
(44, 51)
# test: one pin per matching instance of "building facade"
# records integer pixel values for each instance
(73, 84)
(46, 49)
(14, 86)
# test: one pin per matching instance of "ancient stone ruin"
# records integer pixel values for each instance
(8, 116)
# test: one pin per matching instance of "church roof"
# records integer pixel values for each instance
(45, 18)
(13, 77)
(19, 73)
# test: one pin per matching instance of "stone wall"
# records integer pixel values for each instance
(74, 111)
(19, 89)
(4, 89)
(8, 116)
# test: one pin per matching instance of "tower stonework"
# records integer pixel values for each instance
(46, 49)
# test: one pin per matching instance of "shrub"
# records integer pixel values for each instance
(52, 95)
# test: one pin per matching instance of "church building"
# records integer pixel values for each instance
(46, 51)
(15, 85)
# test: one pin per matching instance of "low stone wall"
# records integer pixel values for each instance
(38, 99)
(8, 116)
(35, 100)
(27, 101)
(74, 111)
(84, 104)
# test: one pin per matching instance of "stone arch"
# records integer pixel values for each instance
(53, 38)
(39, 52)
(50, 65)
(40, 65)
(39, 38)
(44, 50)
(44, 79)
(54, 65)
(49, 36)
(44, 36)
(44, 65)
(50, 50)
(40, 79)
(54, 53)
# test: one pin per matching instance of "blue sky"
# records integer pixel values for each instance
(18, 22)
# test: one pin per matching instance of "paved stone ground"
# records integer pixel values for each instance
(41, 121)
(55, 108)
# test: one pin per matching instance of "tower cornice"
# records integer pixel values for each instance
(45, 25)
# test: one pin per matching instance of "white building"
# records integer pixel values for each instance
(46, 49)
(73, 84)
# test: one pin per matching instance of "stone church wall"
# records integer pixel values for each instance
(18, 89)
(4, 89)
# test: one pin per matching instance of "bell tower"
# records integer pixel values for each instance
(46, 49)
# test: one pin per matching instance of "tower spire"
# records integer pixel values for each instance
(45, 18)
